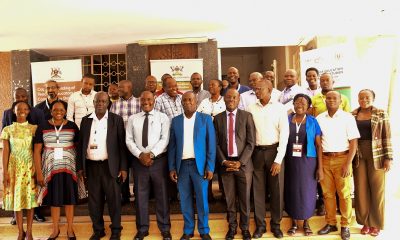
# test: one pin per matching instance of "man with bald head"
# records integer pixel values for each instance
(291, 89)
(151, 84)
(234, 81)
(272, 133)
(126, 106)
(191, 160)
(101, 158)
(147, 137)
(234, 155)
(318, 101)
(249, 97)
(339, 145)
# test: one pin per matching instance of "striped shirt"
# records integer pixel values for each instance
(126, 108)
(166, 104)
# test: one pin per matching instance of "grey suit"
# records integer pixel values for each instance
(237, 183)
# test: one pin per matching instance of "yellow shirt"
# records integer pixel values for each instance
(318, 104)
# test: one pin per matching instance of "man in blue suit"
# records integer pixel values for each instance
(191, 160)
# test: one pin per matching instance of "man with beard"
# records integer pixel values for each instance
(52, 89)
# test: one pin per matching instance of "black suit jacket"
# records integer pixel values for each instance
(116, 147)
(244, 136)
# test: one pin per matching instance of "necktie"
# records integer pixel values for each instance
(230, 135)
(145, 133)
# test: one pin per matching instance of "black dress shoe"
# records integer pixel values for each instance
(259, 232)
(38, 217)
(141, 235)
(345, 233)
(205, 236)
(246, 235)
(186, 236)
(230, 234)
(13, 221)
(277, 232)
(115, 235)
(327, 229)
(166, 235)
(97, 235)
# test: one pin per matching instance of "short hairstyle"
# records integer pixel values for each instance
(312, 69)
(14, 116)
(54, 103)
(52, 81)
(305, 96)
(368, 90)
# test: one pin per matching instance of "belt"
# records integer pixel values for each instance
(96, 161)
(188, 159)
(267, 147)
(161, 155)
(335, 154)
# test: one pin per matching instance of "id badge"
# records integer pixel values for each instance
(58, 153)
(93, 146)
(297, 149)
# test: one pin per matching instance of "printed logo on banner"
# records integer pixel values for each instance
(176, 70)
(55, 72)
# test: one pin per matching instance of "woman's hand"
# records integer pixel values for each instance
(6, 179)
(387, 164)
(40, 178)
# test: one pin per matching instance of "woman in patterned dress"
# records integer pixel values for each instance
(18, 170)
(55, 155)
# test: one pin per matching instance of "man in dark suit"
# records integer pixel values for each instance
(35, 117)
(191, 160)
(235, 134)
(102, 159)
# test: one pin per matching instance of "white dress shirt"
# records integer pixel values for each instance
(235, 152)
(337, 130)
(188, 141)
(272, 126)
(98, 138)
(158, 133)
(311, 93)
(209, 107)
(246, 99)
(80, 105)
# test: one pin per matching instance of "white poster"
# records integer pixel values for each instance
(180, 69)
(337, 60)
(67, 73)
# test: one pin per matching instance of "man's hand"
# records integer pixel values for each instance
(346, 170)
(123, 174)
(173, 176)
(387, 164)
(320, 175)
(275, 169)
(145, 159)
(208, 175)
(232, 165)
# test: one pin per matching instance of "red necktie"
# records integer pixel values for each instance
(230, 135)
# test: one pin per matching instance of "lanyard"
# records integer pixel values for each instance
(298, 128)
(57, 130)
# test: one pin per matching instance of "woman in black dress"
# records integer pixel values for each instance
(302, 169)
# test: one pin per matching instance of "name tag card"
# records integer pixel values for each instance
(297, 149)
(58, 153)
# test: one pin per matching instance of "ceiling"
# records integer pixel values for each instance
(73, 27)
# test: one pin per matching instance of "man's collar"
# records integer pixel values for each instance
(93, 115)
(234, 112)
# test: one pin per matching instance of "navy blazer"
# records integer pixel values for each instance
(204, 143)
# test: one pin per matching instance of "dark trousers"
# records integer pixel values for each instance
(262, 162)
(155, 175)
(102, 186)
(237, 184)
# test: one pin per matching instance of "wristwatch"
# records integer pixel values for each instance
(152, 155)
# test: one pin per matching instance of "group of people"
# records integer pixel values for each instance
(259, 140)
